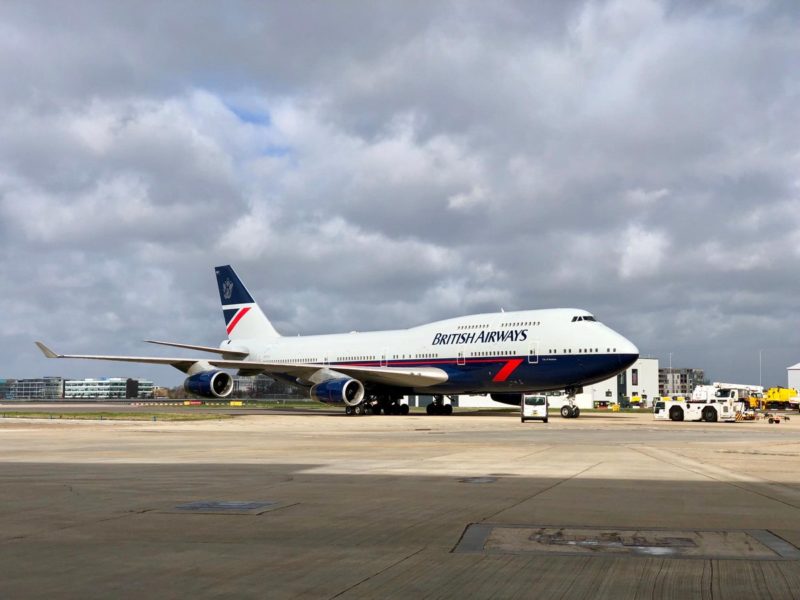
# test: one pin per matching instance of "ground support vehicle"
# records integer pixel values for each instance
(779, 398)
(533, 408)
(711, 411)
(774, 418)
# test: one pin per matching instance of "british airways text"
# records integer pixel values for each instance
(483, 337)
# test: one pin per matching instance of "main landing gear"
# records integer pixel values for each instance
(570, 410)
(438, 406)
(378, 404)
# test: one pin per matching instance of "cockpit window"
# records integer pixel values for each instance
(583, 318)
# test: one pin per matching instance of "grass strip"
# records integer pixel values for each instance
(115, 416)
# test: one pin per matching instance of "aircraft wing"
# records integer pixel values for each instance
(400, 376)
(223, 351)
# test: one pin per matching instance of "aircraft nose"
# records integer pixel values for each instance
(627, 352)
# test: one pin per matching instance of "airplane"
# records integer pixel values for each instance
(505, 354)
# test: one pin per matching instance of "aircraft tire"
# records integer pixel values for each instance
(348, 410)
(430, 408)
(566, 411)
(576, 412)
(447, 409)
(359, 409)
(404, 409)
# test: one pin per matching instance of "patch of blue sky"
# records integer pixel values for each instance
(248, 112)
(276, 150)
(254, 117)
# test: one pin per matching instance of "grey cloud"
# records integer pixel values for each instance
(380, 166)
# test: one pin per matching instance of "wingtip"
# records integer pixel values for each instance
(46, 351)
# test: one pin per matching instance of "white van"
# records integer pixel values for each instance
(533, 408)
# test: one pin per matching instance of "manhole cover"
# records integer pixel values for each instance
(478, 480)
(226, 506)
(751, 544)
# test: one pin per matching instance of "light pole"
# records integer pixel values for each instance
(759, 367)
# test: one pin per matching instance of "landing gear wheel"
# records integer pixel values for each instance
(359, 410)
(576, 412)
(376, 410)
(447, 409)
(404, 409)
(430, 408)
(566, 411)
(348, 410)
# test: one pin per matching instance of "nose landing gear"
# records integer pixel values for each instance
(570, 410)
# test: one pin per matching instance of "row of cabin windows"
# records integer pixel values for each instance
(515, 324)
(579, 350)
(497, 353)
(436, 355)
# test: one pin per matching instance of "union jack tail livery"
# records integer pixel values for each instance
(244, 319)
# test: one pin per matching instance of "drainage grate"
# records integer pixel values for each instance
(478, 480)
(750, 544)
(227, 507)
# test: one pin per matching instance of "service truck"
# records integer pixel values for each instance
(780, 398)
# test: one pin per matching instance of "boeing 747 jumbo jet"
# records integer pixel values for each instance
(504, 354)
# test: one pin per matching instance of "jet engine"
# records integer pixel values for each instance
(513, 399)
(336, 391)
(210, 384)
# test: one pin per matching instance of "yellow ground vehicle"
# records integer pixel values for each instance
(780, 398)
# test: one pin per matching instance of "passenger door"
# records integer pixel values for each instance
(533, 353)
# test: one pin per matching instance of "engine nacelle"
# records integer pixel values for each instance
(513, 399)
(210, 384)
(336, 391)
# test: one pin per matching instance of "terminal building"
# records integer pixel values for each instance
(41, 388)
(107, 387)
(57, 388)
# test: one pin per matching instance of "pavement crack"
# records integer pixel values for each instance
(368, 577)
(542, 491)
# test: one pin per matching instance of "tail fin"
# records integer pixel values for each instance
(244, 319)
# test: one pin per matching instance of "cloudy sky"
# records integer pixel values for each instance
(374, 165)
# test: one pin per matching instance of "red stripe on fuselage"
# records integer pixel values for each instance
(509, 367)
(237, 318)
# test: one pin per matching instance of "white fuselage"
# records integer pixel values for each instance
(495, 352)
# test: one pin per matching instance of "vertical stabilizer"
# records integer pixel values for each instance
(244, 319)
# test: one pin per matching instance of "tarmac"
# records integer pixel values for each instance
(327, 506)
